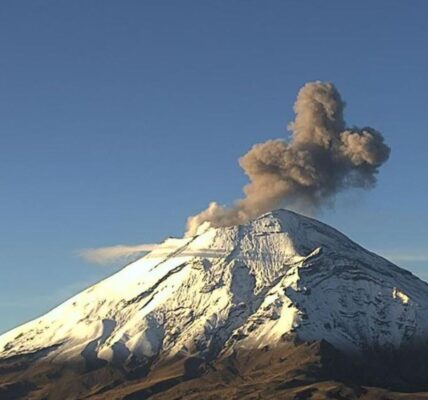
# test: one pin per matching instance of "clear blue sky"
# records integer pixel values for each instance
(118, 119)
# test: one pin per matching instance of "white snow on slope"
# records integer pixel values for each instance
(244, 286)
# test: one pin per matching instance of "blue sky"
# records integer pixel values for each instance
(118, 119)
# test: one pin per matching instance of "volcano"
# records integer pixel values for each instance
(282, 307)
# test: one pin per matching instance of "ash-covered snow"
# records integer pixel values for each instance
(245, 286)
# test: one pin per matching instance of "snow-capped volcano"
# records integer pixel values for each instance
(225, 290)
(244, 286)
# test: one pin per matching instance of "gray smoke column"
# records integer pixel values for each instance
(323, 158)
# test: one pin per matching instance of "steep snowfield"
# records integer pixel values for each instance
(246, 286)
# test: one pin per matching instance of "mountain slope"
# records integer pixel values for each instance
(274, 283)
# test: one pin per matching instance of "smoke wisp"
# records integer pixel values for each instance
(128, 253)
(323, 157)
(111, 254)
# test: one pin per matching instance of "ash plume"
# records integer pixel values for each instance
(323, 157)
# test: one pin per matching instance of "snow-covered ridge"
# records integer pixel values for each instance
(245, 286)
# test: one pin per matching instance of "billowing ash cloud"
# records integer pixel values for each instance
(323, 157)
